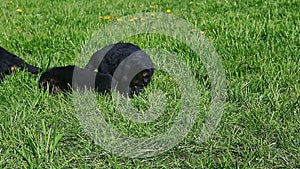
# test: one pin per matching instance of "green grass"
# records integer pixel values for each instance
(258, 44)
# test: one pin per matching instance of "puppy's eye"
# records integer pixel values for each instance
(145, 75)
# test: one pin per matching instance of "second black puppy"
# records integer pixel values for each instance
(71, 77)
(127, 63)
(9, 62)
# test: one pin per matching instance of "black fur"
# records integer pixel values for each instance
(127, 63)
(9, 62)
(72, 77)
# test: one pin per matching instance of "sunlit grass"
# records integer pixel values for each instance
(258, 44)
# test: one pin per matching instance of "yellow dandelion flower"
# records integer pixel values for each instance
(153, 6)
(152, 14)
(191, 3)
(133, 19)
(196, 31)
(19, 10)
(143, 19)
(107, 17)
(168, 11)
(119, 19)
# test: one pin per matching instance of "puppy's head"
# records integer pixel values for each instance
(134, 73)
(57, 78)
(50, 82)
(140, 81)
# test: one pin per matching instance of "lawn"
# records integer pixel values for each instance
(257, 44)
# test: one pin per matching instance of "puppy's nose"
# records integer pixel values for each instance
(137, 90)
(146, 80)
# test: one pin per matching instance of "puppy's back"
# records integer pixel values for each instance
(108, 59)
(72, 77)
(100, 82)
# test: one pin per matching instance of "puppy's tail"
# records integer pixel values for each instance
(33, 69)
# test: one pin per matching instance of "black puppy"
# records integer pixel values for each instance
(71, 77)
(9, 62)
(127, 63)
